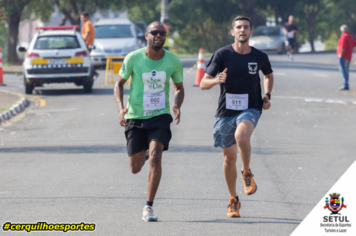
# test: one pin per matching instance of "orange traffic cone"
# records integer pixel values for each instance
(200, 68)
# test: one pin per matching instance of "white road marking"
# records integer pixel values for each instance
(321, 75)
(309, 99)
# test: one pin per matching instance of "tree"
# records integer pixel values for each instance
(13, 18)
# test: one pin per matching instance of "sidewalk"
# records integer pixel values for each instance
(11, 104)
(12, 69)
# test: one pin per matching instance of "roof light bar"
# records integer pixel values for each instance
(57, 27)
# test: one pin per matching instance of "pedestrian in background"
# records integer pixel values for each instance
(88, 32)
(166, 24)
(290, 30)
(345, 47)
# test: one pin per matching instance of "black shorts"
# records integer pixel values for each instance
(292, 43)
(139, 133)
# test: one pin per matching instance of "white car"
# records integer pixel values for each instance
(57, 55)
(269, 39)
(114, 37)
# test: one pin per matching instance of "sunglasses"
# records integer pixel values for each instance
(160, 32)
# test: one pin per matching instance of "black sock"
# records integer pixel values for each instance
(237, 198)
(149, 204)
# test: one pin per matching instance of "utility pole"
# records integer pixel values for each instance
(164, 10)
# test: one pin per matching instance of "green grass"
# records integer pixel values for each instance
(2, 109)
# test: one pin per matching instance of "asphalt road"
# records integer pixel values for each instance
(66, 162)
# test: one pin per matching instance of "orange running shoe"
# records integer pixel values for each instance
(233, 208)
(249, 184)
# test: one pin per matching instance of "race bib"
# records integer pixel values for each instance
(236, 102)
(290, 35)
(154, 101)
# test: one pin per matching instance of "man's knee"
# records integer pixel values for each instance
(135, 168)
(156, 154)
(242, 141)
(229, 161)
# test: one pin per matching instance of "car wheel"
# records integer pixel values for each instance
(88, 86)
(28, 87)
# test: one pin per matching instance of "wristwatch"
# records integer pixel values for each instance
(269, 95)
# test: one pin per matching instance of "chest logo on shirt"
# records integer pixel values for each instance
(154, 81)
(252, 68)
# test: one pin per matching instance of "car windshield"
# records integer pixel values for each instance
(266, 31)
(113, 31)
(56, 42)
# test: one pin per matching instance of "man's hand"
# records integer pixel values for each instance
(122, 120)
(221, 77)
(266, 103)
(176, 111)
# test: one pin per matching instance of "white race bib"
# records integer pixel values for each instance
(154, 101)
(290, 35)
(236, 102)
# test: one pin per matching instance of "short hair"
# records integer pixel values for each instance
(344, 28)
(84, 13)
(241, 18)
(154, 23)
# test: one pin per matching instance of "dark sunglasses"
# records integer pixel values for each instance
(155, 32)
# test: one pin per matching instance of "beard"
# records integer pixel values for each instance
(243, 40)
(155, 46)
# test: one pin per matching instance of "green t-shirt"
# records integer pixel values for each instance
(149, 88)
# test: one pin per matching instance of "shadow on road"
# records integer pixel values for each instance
(305, 66)
(78, 91)
(121, 149)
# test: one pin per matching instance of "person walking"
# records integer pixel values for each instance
(166, 26)
(88, 33)
(344, 51)
(240, 104)
(290, 30)
(147, 117)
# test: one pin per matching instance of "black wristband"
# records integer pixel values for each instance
(269, 95)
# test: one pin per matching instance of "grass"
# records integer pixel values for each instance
(2, 109)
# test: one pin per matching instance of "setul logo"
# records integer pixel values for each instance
(334, 206)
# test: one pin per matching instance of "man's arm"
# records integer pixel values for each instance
(209, 81)
(268, 85)
(86, 36)
(341, 53)
(119, 99)
(178, 100)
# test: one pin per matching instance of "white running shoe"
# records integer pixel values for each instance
(148, 214)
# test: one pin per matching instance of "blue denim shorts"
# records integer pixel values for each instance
(225, 127)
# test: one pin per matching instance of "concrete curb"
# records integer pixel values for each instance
(13, 72)
(14, 109)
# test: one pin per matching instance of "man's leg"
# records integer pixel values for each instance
(137, 161)
(343, 69)
(229, 168)
(243, 135)
(230, 173)
(154, 176)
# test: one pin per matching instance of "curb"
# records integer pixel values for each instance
(15, 109)
(13, 72)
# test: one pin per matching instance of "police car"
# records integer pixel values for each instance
(57, 55)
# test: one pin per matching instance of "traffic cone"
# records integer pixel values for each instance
(1, 71)
(200, 68)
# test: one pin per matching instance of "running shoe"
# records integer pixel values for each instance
(233, 208)
(147, 214)
(249, 184)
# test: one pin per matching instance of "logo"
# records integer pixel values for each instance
(154, 73)
(335, 205)
(254, 120)
(154, 83)
(123, 66)
(252, 68)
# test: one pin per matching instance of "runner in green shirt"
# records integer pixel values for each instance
(147, 117)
